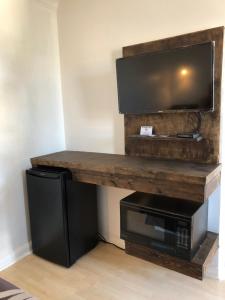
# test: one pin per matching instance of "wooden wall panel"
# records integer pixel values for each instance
(204, 151)
(194, 268)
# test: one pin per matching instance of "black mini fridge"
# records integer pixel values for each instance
(63, 215)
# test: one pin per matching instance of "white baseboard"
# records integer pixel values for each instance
(15, 256)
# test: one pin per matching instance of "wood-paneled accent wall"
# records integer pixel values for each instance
(205, 151)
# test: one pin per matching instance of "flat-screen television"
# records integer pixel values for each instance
(180, 79)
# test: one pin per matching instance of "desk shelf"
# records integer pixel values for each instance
(164, 138)
(195, 268)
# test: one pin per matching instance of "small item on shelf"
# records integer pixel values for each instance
(193, 135)
(146, 130)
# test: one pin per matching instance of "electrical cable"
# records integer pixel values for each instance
(199, 121)
(102, 239)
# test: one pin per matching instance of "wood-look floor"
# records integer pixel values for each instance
(109, 273)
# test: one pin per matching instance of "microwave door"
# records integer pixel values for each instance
(156, 227)
(145, 226)
(161, 227)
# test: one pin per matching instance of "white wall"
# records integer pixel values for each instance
(91, 36)
(222, 190)
(31, 118)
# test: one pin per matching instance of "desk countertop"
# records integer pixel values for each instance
(137, 173)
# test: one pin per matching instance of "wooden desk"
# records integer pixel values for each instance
(178, 179)
(183, 180)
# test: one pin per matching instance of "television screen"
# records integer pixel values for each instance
(180, 79)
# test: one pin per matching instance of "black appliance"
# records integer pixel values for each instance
(179, 79)
(63, 215)
(174, 226)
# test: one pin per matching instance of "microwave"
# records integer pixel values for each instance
(175, 226)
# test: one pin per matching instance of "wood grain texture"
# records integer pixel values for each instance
(195, 268)
(205, 151)
(109, 273)
(171, 178)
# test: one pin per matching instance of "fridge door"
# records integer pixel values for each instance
(82, 218)
(48, 219)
